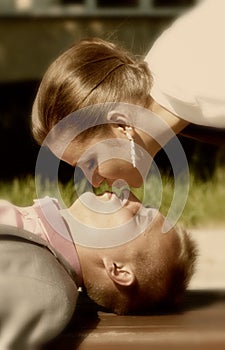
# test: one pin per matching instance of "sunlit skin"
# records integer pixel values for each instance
(114, 169)
(126, 210)
(162, 246)
(109, 170)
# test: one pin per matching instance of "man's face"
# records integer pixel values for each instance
(110, 211)
(125, 218)
(106, 210)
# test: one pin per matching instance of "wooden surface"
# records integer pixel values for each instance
(200, 324)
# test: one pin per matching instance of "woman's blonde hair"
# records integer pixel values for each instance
(92, 71)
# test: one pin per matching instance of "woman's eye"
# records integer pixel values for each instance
(91, 164)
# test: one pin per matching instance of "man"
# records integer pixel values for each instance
(140, 269)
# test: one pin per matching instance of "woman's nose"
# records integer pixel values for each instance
(97, 179)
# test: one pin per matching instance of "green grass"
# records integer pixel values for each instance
(22, 192)
(205, 203)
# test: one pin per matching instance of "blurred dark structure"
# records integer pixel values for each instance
(34, 32)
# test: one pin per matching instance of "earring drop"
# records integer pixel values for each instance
(132, 147)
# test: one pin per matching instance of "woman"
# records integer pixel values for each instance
(177, 95)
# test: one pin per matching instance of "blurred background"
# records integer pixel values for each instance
(34, 32)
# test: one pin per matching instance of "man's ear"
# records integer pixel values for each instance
(120, 121)
(119, 273)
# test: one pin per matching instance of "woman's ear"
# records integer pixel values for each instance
(119, 273)
(120, 121)
(118, 117)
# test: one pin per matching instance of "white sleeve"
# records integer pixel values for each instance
(187, 63)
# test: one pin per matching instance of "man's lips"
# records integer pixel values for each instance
(125, 197)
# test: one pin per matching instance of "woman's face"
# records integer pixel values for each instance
(104, 160)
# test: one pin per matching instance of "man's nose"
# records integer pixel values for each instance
(97, 179)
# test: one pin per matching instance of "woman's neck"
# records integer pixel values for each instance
(176, 123)
(160, 137)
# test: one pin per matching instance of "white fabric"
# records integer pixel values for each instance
(188, 65)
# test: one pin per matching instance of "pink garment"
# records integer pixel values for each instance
(43, 219)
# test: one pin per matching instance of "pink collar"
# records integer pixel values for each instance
(57, 232)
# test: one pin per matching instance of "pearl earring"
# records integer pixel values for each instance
(132, 147)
